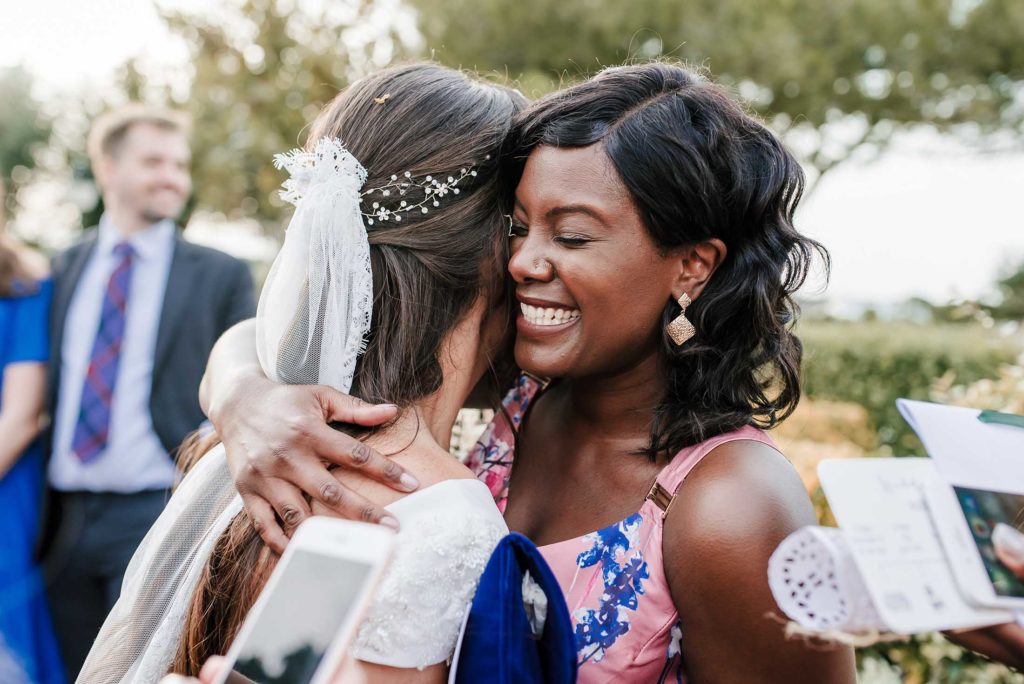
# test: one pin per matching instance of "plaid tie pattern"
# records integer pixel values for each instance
(93, 427)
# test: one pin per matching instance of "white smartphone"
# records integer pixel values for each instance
(966, 518)
(305, 618)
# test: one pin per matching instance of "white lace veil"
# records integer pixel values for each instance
(314, 313)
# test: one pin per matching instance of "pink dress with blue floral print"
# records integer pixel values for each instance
(625, 622)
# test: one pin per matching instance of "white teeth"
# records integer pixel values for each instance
(548, 316)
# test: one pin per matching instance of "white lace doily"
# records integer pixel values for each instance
(816, 583)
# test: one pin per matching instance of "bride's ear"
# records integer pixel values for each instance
(697, 263)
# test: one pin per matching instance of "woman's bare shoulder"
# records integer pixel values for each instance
(742, 493)
(731, 513)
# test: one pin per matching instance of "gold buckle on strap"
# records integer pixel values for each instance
(542, 382)
(661, 498)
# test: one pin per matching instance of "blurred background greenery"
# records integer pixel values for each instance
(838, 80)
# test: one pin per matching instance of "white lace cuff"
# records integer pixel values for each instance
(449, 531)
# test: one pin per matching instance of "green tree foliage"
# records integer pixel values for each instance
(23, 128)
(804, 65)
(1011, 289)
(262, 69)
(833, 78)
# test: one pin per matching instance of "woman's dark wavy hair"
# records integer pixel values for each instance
(699, 167)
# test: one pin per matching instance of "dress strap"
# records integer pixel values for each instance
(542, 383)
(666, 486)
(514, 406)
(661, 498)
(522, 395)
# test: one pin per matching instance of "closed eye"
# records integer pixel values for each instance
(572, 240)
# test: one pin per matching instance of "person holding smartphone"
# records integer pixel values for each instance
(1009, 545)
(1003, 643)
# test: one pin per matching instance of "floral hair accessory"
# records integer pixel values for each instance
(434, 188)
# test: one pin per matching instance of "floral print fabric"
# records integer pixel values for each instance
(491, 458)
(625, 622)
(615, 550)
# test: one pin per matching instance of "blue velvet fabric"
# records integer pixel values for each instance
(499, 646)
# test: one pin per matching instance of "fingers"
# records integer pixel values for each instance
(339, 448)
(338, 499)
(347, 409)
(212, 668)
(984, 642)
(1011, 636)
(288, 502)
(1009, 545)
(265, 522)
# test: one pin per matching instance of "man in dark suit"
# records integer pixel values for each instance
(136, 311)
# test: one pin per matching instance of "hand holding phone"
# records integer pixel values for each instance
(1009, 545)
(303, 622)
(970, 521)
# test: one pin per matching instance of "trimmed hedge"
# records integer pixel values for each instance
(874, 363)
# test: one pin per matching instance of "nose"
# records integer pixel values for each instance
(529, 261)
(176, 176)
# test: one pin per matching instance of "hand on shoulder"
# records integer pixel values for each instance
(730, 514)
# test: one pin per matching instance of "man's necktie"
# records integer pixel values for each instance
(93, 428)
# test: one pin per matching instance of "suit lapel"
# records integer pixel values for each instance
(66, 282)
(180, 281)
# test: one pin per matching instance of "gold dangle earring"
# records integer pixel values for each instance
(681, 329)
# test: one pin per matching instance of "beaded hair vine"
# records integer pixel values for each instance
(433, 190)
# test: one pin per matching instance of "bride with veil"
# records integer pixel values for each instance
(389, 287)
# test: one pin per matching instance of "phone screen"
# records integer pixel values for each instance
(983, 510)
(313, 597)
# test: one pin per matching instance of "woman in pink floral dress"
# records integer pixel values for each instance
(654, 258)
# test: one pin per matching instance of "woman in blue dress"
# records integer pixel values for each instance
(26, 637)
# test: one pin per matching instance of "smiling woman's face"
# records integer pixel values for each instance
(590, 281)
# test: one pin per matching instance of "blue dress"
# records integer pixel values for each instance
(26, 634)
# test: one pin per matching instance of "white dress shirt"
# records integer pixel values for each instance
(134, 459)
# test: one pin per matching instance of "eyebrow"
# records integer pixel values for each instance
(555, 212)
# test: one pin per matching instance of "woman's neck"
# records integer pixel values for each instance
(428, 422)
(617, 404)
(424, 426)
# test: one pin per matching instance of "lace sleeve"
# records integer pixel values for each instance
(441, 551)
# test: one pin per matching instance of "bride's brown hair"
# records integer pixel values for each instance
(428, 269)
